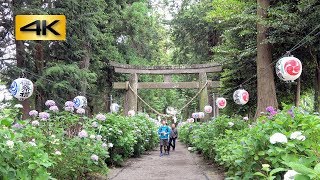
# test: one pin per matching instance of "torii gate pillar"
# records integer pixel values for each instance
(131, 98)
(203, 94)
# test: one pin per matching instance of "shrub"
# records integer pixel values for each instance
(244, 148)
(65, 145)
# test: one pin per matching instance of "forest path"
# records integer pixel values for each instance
(180, 164)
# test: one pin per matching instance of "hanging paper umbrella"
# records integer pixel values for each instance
(195, 115)
(21, 88)
(80, 102)
(241, 96)
(208, 109)
(131, 113)
(221, 102)
(201, 115)
(289, 68)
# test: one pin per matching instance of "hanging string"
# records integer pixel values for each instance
(299, 44)
(136, 94)
(23, 71)
(295, 47)
(158, 113)
(194, 96)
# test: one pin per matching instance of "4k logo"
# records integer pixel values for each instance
(40, 27)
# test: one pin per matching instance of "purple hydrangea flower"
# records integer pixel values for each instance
(270, 109)
(81, 111)
(17, 126)
(69, 104)
(94, 157)
(54, 108)
(291, 113)
(44, 116)
(70, 109)
(83, 134)
(33, 113)
(101, 117)
(50, 103)
(35, 123)
(271, 112)
(94, 124)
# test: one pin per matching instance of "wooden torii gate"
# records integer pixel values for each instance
(134, 71)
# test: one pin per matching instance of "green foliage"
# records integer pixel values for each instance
(129, 136)
(55, 149)
(244, 148)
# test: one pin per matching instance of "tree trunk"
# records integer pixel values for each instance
(84, 64)
(21, 63)
(265, 76)
(298, 92)
(39, 62)
(107, 102)
(317, 85)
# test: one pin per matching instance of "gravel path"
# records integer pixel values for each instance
(180, 164)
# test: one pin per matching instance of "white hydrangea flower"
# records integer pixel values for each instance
(190, 148)
(32, 143)
(290, 174)
(10, 144)
(92, 136)
(18, 106)
(230, 124)
(297, 135)
(57, 153)
(278, 138)
(301, 138)
(110, 145)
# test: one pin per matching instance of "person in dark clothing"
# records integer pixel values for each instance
(173, 137)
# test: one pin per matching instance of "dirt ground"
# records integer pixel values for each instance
(179, 165)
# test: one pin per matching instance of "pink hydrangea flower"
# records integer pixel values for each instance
(44, 116)
(33, 113)
(50, 103)
(101, 117)
(70, 109)
(54, 108)
(81, 111)
(83, 134)
(94, 157)
(69, 104)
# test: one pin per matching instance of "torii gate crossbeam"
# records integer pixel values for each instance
(167, 71)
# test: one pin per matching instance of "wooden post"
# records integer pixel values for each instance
(203, 94)
(131, 97)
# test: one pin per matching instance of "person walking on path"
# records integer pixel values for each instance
(173, 137)
(164, 133)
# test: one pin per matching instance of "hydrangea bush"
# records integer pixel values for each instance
(284, 141)
(129, 136)
(66, 144)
